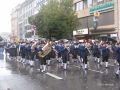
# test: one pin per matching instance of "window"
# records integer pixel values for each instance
(28, 6)
(95, 2)
(29, 13)
(100, 2)
(89, 3)
(26, 21)
(79, 6)
(85, 3)
(31, 4)
(33, 11)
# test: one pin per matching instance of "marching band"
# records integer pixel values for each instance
(61, 51)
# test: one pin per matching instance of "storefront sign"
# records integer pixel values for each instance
(102, 7)
(103, 35)
(113, 35)
(80, 32)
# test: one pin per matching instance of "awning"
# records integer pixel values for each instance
(112, 39)
(102, 30)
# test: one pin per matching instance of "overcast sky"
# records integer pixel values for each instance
(5, 11)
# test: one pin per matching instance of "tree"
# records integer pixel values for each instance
(55, 19)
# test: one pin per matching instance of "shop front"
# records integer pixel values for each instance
(82, 34)
(103, 34)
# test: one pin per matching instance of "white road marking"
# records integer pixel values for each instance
(54, 76)
(91, 69)
(95, 71)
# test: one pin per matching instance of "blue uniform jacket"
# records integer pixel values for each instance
(118, 54)
(79, 49)
(22, 48)
(39, 48)
(60, 49)
(105, 51)
(84, 51)
(56, 47)
(72, 48)
(95, 48)
(115, 49)
(28, 50)
(64, 52)
(17, 46)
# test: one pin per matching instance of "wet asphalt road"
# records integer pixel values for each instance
(19, 76)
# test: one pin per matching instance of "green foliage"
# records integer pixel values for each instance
(55, 19)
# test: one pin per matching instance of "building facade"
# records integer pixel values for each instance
(26, 10)
(107, 22)
(14, 22)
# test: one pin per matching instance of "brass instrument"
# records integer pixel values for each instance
(68, 48)
(110, 48)
(99, 45)
(33, 46)
(88, 46)
(101, 42)
(45, 50)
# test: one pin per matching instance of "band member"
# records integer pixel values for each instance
(42, 59)
(74, 51)
(32, 54)
(48, 59)
(64, 54)
(96, 52)
(79, 53)
(84, 54)
(19, 48)
(38, 48)
(114, 51)
(13, 50)
(52, 54)
(28, 52)
(22, 51)
(59, 53)
(118, 60)
(56, 49)
(105, 54)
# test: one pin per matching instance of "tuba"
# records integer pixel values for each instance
(45, 50)
(33, 46)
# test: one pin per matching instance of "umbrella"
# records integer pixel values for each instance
(112, 40)
(1, 38)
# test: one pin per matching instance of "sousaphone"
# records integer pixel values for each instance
(45, 50)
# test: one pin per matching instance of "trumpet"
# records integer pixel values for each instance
(67, 47)
(110, 48)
